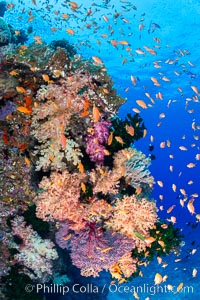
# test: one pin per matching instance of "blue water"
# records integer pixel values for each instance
(175, 24)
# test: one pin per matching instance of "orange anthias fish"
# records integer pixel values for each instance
(73, 5)
(63, 140)
(190, 206)
(20, 89)
(97, 60)
(96, 114)
(24, 110)
(70, 31)
(141, 103)
(130, 130)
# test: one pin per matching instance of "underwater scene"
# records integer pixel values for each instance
(99, 150)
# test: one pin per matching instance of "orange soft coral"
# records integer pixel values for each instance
(60, 198)
(134, 218)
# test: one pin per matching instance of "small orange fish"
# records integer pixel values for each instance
(173, 219)
(164, 226)
(179, 287)
(45, 77)
(164, 78)
(81, 168)
(183, 192)
(114, 43)
(133, 80)
(160, 183)
(194, 272)
(135, 294)
(31, 19)
(195, 89)
(152, 138)
(14, 73)
(51, 157)
(144, 133)
(123, 42)
(96, 114)
(65, 16)
(119, 140)
(17, 32)
(106, 249)
(27, 161)
(63, 140)
(66, 238)
(183, 148)
(24, 110)
(162, 145)
(97, 60)
(125, 20)
(170, 208)
(159, 96)
(105, 18)
(130, 130)
(174, 187)
(83, 187)
(141, 27)
(136, 110)
(158, 278)
(161, 243)
(141, 103)
(70, 31)
(190, 206)
(151, 51)
(191, 165)
(155, 81)
(159, 259)
(140, 52)
(150, 240)
(110, 138)
(161, 116)
(20, 89)
(73, 5)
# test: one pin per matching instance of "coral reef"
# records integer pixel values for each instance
(70, 171)
(34, 254)
(5, 34)
(59, 199)
(94, 142)
(134, 218)
(92, 249)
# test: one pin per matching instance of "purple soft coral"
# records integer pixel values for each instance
(93, 249)
(7, 109)
(94, 142)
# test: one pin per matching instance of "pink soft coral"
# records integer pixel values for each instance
(60, 198)
(134, 218)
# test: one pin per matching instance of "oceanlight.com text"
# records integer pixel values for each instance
(149, 289)
(111, 288)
